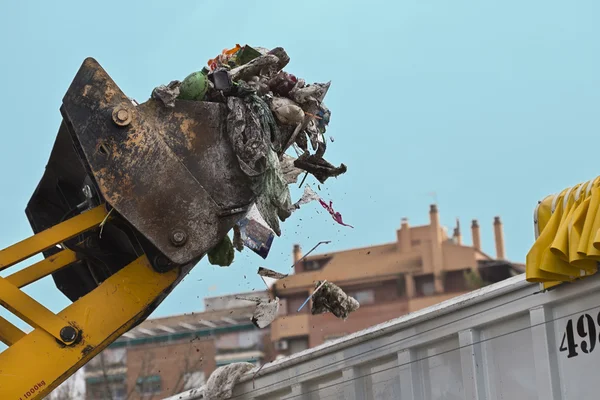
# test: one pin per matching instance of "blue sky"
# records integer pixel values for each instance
(491, 105)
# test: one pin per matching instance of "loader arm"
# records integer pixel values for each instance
(133, 196)
(36, 363)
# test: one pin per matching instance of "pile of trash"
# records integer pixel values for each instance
(270, 111)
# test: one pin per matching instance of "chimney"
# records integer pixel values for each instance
(457, 234)
(499, 236)
(476, 235)
(404, 223)
(297, 254)
(404, 239)
(433, 215)
(437, 259)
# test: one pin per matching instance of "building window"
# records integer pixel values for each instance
(283, 308)
(425, 285)
(455, 281)
(149, 385)
(311, 265)
(103, 390)
(108, 358)
(119, 392)
(364, 297)
(415, 242)
(193, 380)
(401, 286)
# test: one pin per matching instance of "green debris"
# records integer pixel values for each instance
(245, 55)
(274, 200)
(222, 254)
(194, 86)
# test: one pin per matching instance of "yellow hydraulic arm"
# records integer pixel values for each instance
(37, 362)
(132, 197)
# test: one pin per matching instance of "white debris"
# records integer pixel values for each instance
(265, 312)
(269, 273)
(220, 384)
(308, 196)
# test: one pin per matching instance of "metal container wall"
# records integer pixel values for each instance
(504, 341)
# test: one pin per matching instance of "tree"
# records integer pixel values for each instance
(102, 368)
(71, 389)
(187, 377)
(146, 369)
(474, 280)
(190, 375)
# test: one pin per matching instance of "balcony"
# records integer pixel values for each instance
(290, 326)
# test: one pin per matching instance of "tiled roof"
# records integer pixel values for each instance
(374, 261)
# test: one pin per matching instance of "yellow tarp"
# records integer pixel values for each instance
(567, 228)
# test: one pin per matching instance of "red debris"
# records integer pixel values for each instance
(335, 215)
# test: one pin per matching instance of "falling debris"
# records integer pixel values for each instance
(254, 233)
(269, 273)
(311, 295)
(337, 217)
(308, 196)
(330, 298)
(266, 284)
(318, 167)
(265, 312)
(222, 254)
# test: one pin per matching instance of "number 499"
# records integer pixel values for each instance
(586, 329)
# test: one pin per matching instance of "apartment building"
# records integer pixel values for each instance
(165, 356)
(423, 266)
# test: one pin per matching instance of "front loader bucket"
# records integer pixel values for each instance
(170, 176)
